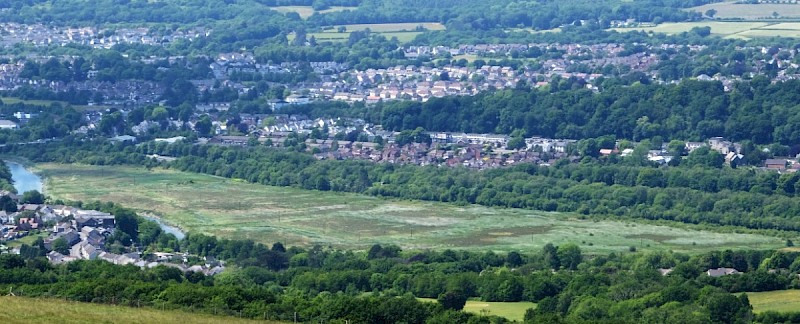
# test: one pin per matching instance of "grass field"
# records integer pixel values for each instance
(405, 32)
(307, 11)
(403, 37)
(47, 103)
(728, 29)
(779, 301)
(234, 209)
(511, 311)
(731, 10)
(34, 310)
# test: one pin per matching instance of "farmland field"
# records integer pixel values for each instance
(34, 310)
(405, 32)
(779, 301)
(235, 209)
(728, 29)
(341, 37)
(307, 11)
(731, 10)
(511, 311)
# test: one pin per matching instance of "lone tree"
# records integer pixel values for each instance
(454, 300)
(711, 12)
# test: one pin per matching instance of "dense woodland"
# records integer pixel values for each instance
(692, 111)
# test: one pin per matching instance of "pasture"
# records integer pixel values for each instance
(234, 209)
(779, 301)
(727, 29)
(38, 310)
(405, 32)
(731, 10)
(512, 311)
(308, 11)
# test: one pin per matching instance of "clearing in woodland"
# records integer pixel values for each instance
(235, 209)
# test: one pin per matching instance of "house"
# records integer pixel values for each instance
(7, 124)
(719, 272)
(84, 250)
(691, 146)
(123, 138)
(733, 159)
(775, 164)
(297, 100)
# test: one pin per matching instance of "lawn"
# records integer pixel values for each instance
(35, 310)
(731, 10)
(235, 209)
(779, 301)
(308, 11)
(511, 311)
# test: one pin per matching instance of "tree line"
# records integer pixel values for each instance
(382, 284)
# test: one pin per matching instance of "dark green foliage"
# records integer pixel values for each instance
(32, 197)
(60, 245)
(453, 299)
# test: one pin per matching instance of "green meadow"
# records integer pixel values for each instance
(236, 209)
(762, 11)
(38, 310)
(727, 29)
(308, 11)
(512, 311)
(779, 301)
(405, 32)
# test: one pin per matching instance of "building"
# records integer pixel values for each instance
(775, 164)
(7, 124)
(719, 272)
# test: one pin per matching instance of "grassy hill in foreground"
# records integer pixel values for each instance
(34, 310)
(234, 209)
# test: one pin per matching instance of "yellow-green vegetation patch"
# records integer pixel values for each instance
(722, 28)
(769, 33)
(786, 26)
(514, 311)
(534, 31)
(233, 209)
(308, 11)
(48, 103)
(35, 310)
(393, 27)
(731, 10)
(779, 301)
(334, 36)
(403, 37)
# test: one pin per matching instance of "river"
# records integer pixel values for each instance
(24, 180)
(179, 234)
